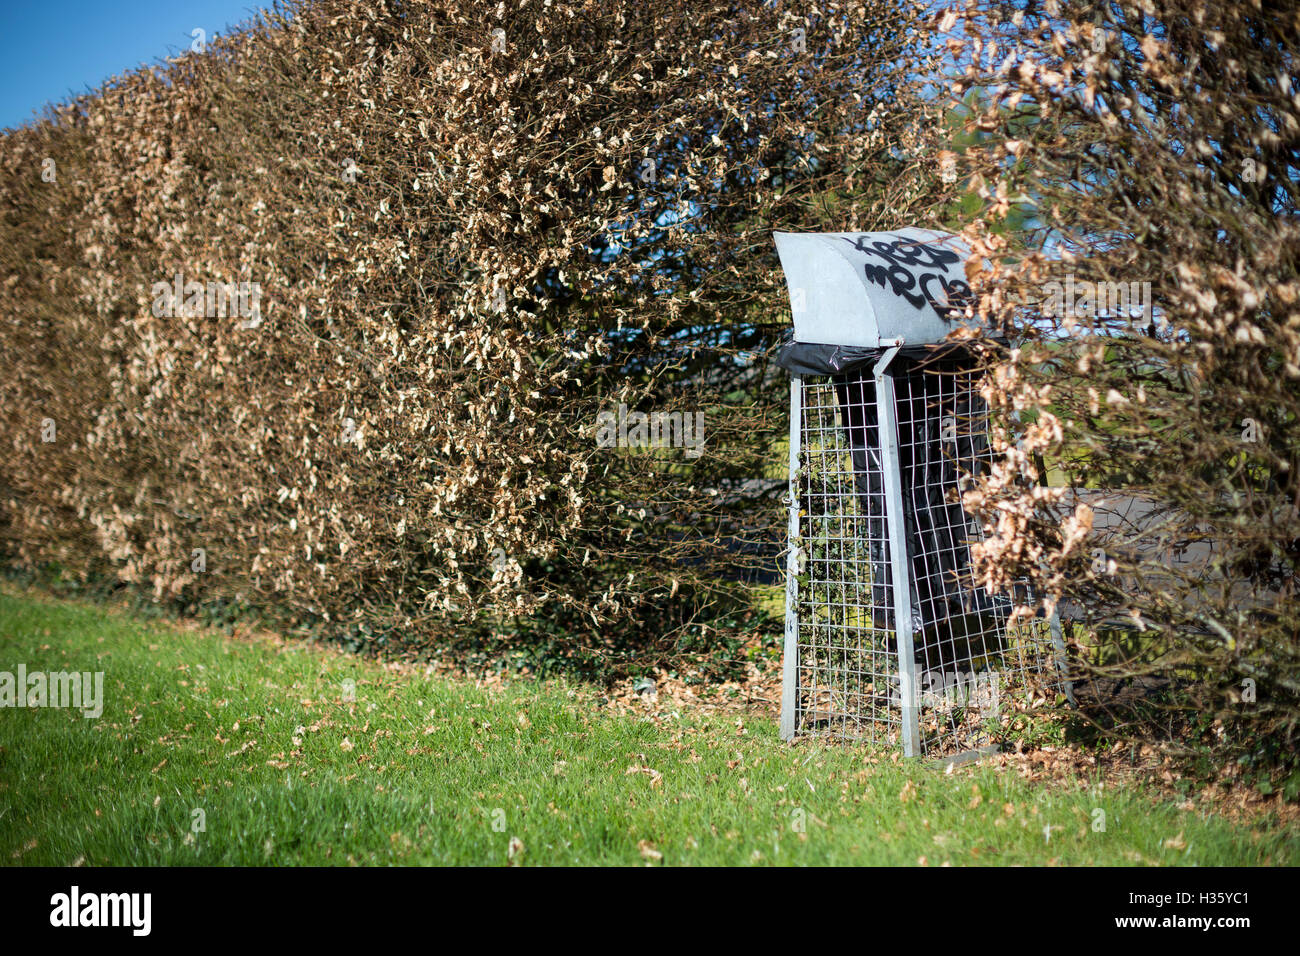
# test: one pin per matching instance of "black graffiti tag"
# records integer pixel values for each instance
(906, 273)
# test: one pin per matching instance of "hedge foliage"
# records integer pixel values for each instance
(473, 228)
(1150, 148)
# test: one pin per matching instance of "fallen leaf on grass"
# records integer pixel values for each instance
(247, 744)
(656, 778)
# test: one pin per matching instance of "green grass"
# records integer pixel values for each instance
(256, 735)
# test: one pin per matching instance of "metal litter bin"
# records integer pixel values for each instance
(887, 637)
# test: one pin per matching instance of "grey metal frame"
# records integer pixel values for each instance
(790, 670)
(842, 677)
(899, 564)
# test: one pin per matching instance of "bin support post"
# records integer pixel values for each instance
(900, 565)
(790, 657)
(1058, 645)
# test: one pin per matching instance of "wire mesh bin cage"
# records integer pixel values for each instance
(888, 638)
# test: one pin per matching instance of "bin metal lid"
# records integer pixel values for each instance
(869, 288)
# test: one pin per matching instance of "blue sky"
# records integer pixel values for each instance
(50, 49)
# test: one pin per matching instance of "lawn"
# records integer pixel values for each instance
(219, 750)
